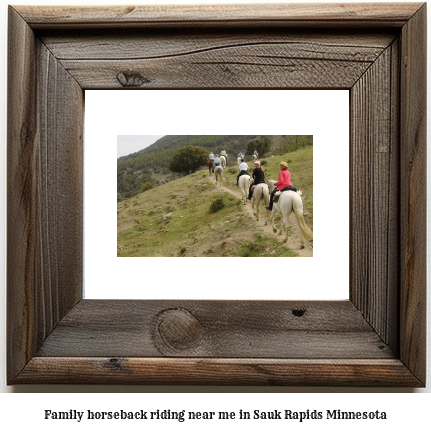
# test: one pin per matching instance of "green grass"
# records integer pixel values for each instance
(176, 219)
(170, 219)
(261, 247)
(301, 169)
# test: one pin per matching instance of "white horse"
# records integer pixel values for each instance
(255, 156)
(238, 160)
(244, 184)
(290, 201)
(260, 192)
(223, 161)
(218, 171)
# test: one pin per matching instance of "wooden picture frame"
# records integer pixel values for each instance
(376, 338)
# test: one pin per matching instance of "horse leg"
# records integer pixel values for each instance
(266, 203)
(268, 213)
(281, 225)
(302, 241)
(300, 230)
(257, 208)
(274, 229)
(286, 225)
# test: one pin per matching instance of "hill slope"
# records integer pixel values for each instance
(174, 219)
(151, 165)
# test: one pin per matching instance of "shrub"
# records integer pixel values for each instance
(147, 186)
(264, 162)
(188, 159)
(262, 145)
(216, 204)
(233, 170)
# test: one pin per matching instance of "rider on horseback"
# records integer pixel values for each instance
(258, 177)
(223, 153)
(283, 184)
(211, 158)
(216, 161)
(243, 168)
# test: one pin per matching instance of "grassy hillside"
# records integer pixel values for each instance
(150, 166)
(175, 219)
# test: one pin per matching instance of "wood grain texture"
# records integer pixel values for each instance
(141, 44)
(240, 329)
(21, 194)
(217, 371)
(413, 194)
(374, 195)
(376, 338)
(59, 245)
(44, 193)
(300, 14)
(199, 60)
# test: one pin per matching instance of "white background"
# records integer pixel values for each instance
(323, 114)
(26, 410)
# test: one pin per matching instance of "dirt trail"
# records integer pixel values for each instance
(294, 241)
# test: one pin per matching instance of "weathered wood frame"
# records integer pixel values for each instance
(376, 338)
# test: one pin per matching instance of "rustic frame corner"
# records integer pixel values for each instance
(376, 338)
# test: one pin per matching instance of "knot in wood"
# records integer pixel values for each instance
(298, 312)
(178, 329)
(131, 79)
(115, 363)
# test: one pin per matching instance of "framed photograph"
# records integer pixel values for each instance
(376, 337)
(175, 219)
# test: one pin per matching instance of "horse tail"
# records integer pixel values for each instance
(297, 208)
(265, 193)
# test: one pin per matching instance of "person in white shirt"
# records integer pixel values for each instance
(243, 168)
(217, 160)
(223, 153)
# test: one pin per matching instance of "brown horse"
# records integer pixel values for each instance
(210, 166)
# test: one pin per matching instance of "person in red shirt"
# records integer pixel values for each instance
(283, 184)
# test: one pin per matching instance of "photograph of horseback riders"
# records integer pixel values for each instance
(215, 196)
